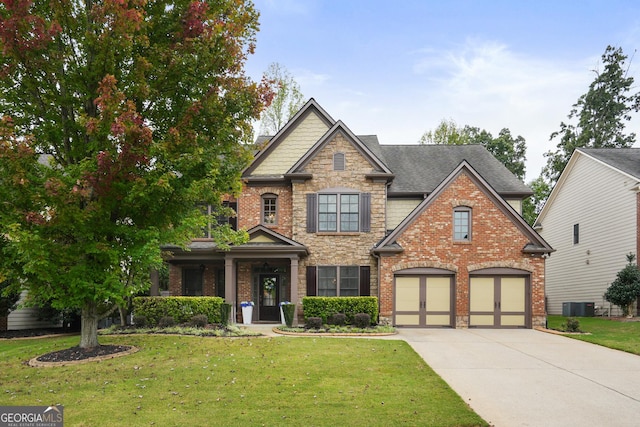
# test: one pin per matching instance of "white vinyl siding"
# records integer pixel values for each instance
(26, 318)
(293, 147)
(602, 201)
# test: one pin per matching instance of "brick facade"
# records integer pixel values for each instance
(250, 208)
(208, 278)
(496, 242)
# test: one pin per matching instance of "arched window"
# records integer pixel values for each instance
(462, 224)
(269, 209)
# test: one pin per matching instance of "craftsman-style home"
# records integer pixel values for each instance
(433, 231)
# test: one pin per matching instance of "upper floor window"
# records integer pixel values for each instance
(338, 212)
(225, 216)
(576, 234)
(269, 209)
(338, 162)
(231, 219)
(462, 224)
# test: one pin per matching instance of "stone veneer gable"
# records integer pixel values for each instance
(339, 248)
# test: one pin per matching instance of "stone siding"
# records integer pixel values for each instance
(339, 248)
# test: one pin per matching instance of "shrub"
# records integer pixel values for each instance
(313, 323)
(289, 311)
(225, 313)
(199, 321)
(625, 289)
(140, 321)
(362, 320)
(166, 322)
(324, 307)
(182, 309)
(572, 325)
(338, 319)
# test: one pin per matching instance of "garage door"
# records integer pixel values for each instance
(499, 301)
(424, 301)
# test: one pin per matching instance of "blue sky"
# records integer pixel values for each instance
(397, 68)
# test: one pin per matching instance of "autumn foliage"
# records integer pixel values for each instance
(117, 117)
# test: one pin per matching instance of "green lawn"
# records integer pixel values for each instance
(621, 335)
(195, 381)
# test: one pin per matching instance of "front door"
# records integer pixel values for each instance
(269, 297)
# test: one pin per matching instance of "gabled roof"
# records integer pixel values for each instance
(416, 170)
(625, 161)
(421, 168)
(264, 239)
(536, 243)
(341, 128)
(308, 108)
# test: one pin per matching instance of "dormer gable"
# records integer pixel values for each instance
(379, 171)
(304, 129)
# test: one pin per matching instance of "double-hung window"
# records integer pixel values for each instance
(338, 212)
(462, 224)
(269, 209)
(338, 281)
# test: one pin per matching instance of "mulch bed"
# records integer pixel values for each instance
(76, 353)
(33, 333)
(73, 354)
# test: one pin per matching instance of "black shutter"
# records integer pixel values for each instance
(365, 212)
(312, 214)
(311, 281)
(365, 281)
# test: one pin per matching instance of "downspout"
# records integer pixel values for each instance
(377, 257)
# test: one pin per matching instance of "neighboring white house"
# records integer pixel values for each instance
(26, 317)
(591, 219)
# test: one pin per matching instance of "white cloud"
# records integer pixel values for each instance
(485, 84)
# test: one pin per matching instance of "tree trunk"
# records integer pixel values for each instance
(123, 316)
(89, 330)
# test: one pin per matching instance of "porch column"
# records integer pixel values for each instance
(294, 287)
(229, 285)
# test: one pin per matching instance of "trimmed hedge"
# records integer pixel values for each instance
(182, 309)
(325, 307)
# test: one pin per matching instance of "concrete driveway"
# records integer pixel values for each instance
(532, 378)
